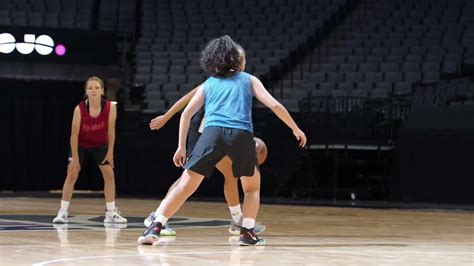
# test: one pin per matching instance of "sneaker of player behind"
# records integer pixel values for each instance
(249, 238)
(234, 228)
(61, 218)
(166, 230)
(114, 216)
(151, 234)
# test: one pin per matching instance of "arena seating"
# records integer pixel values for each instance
(173, 33)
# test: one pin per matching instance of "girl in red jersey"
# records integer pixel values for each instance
(92, 137)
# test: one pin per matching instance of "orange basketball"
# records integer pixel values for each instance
(261, 150)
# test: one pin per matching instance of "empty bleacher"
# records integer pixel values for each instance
(117, 16)
(69, 14)
(397, 44)
(273, 32)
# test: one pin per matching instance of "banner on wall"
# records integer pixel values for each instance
(57, 45)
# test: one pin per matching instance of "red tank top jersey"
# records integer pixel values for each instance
(93, 131)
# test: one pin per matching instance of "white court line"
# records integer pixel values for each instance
(85, 228)
(282, 245)
(249, 250)
(74, 226)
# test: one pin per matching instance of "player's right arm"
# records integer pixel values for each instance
(74, 140)
(191, 109)
(269, 101)
(159, 121)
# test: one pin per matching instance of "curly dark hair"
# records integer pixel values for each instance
(222, 57)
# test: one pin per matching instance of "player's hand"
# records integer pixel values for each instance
(109, 157)
(300, 136)
(73, 165)
(179, 157)
(158, 122)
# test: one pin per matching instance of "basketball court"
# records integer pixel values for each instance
(295, 235)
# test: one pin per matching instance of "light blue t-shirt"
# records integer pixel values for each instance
(229, 102)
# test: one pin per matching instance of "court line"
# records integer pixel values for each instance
(85, 228)
(248, 250)
(279, 244)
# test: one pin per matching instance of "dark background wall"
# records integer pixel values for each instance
(434, 150)
(435, 155)
(36, 124)
(36, 121)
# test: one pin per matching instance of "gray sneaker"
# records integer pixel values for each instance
(234, 228)
(149, 220)
(165, 231)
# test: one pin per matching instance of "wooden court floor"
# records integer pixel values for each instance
(295, 235)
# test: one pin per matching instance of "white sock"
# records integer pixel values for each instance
(64, 205)
(248, 223)
(236, 213)
(160, 218)
(110, 206)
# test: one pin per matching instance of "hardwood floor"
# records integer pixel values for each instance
(295, 235)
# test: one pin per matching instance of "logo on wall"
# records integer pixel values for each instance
(43, 45)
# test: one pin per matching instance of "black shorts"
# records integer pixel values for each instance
(217, 142)
(97, 154)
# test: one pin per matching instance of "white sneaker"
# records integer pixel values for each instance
(114, 217)
(165, 231)
(61, 218)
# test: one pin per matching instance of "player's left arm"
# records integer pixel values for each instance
(111, 134)
(159, 121)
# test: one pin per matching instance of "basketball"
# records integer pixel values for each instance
(261, 150)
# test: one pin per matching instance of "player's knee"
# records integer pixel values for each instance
(107, 171)
(251, 188)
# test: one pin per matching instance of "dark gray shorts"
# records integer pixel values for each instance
(193, 137)
(217, 142)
